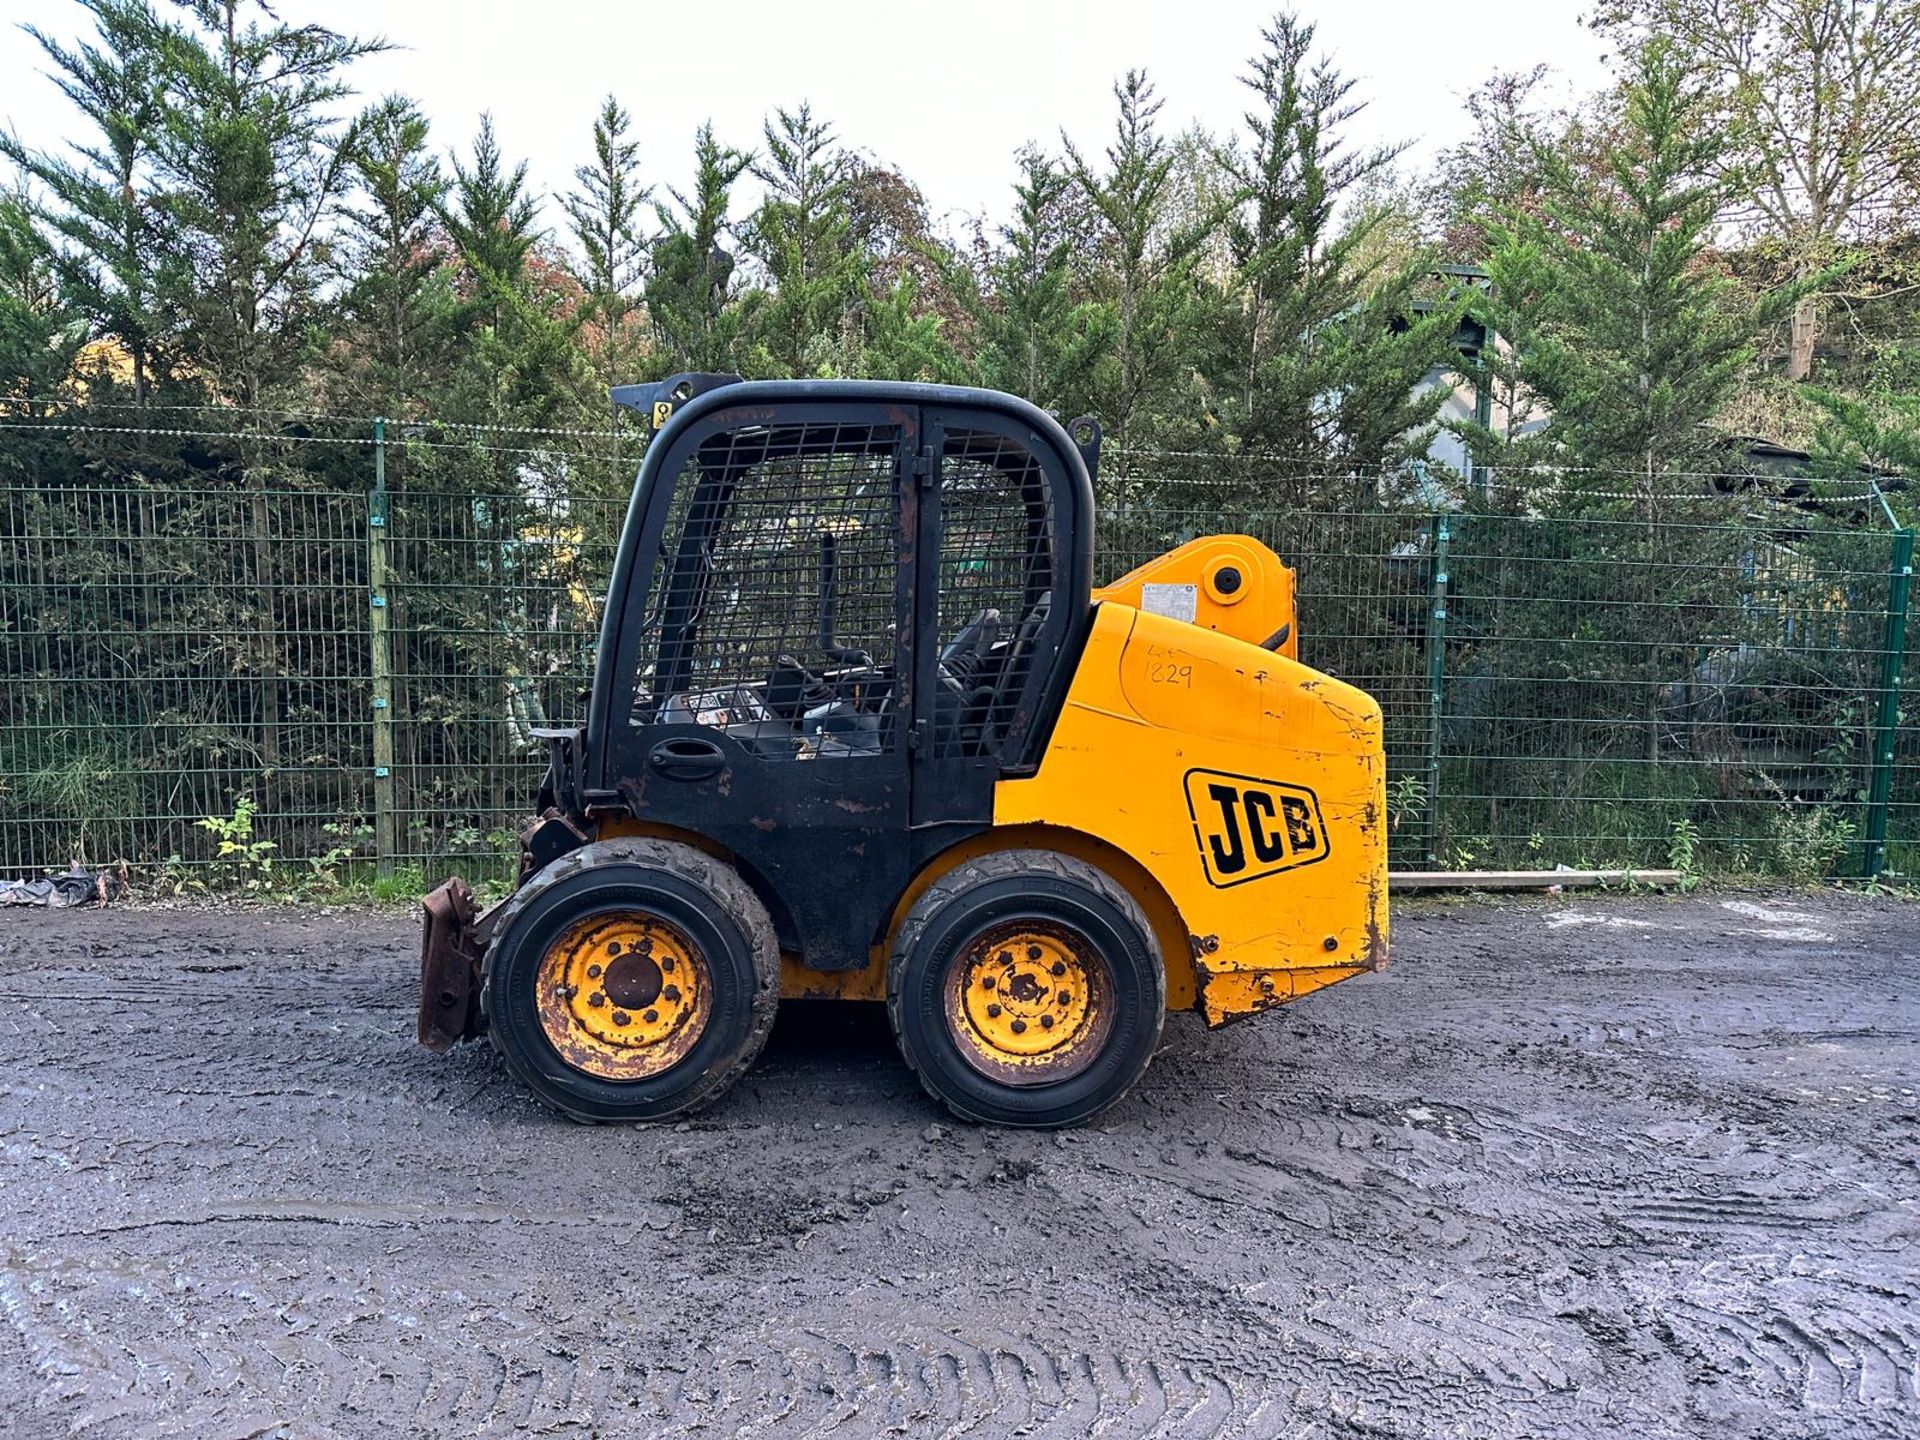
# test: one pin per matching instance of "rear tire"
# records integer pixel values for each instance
(631, 1042)
(1026, 988)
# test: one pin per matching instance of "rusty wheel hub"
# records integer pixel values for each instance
(1029, 1003)
(624, 995)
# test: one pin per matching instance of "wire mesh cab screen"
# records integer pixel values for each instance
(778, 594)
(776, 599)
(995, 587)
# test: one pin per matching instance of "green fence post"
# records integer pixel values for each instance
(1436, 679)
(1893, 647)
(380, 649)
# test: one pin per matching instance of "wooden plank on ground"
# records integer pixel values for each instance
(1527, 879)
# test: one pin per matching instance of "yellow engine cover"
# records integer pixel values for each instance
(1252, 788)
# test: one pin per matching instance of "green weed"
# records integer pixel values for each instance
(242, 861)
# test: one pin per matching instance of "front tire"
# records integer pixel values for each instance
(632, 979)
(1026, 988)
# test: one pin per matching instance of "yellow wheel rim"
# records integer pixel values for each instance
(1029, 1003)
(623, 995)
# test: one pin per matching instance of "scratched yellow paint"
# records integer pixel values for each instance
(1249, 786)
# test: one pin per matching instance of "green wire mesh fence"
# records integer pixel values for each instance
(353, 631)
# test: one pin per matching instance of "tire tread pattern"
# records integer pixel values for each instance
(1004, 865)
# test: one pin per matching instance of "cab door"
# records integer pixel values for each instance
(999, 600)
(766, 647)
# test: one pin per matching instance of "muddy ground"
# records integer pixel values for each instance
(1585, 1167)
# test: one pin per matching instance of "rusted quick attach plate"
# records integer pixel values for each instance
(449, 968)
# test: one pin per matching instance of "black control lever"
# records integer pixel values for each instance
(830, 603)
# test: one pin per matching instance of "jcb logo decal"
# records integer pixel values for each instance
(1248, 829)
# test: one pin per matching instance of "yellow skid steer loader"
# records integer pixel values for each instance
(862, 728)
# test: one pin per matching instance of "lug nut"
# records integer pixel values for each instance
(593, 972)
(1005, 957)
(613, 947)
(620, 1017)
(596, 999)
(672, 992)
(651, 1016)
(667, 965)
(1033, 952)
(1019, 1027)
(1059, 967)
(993, 1012)
(1062, 996)
(986, 982)
(1046, 1022)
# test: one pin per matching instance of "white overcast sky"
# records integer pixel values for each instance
(945, 92)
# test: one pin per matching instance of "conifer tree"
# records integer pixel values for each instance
(1136, 270)
(98, 204)
(605, 208)
(1038, 337)
(903, 340)
(522, 362)
(1319, 353)
(693, 296)
(802, 236)
(38, 333)
(1822, 100)
(252, 166)
(397, 302)
(1877, 430)
(1635, 339)
(493, 222)
(604, 215)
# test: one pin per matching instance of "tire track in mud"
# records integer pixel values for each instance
(1830, 1343)
(1534, 1180)
(502, 1378)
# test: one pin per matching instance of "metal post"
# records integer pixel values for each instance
(1436, 679)
(1893, 647)
(1478, 474)
(386, 818)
